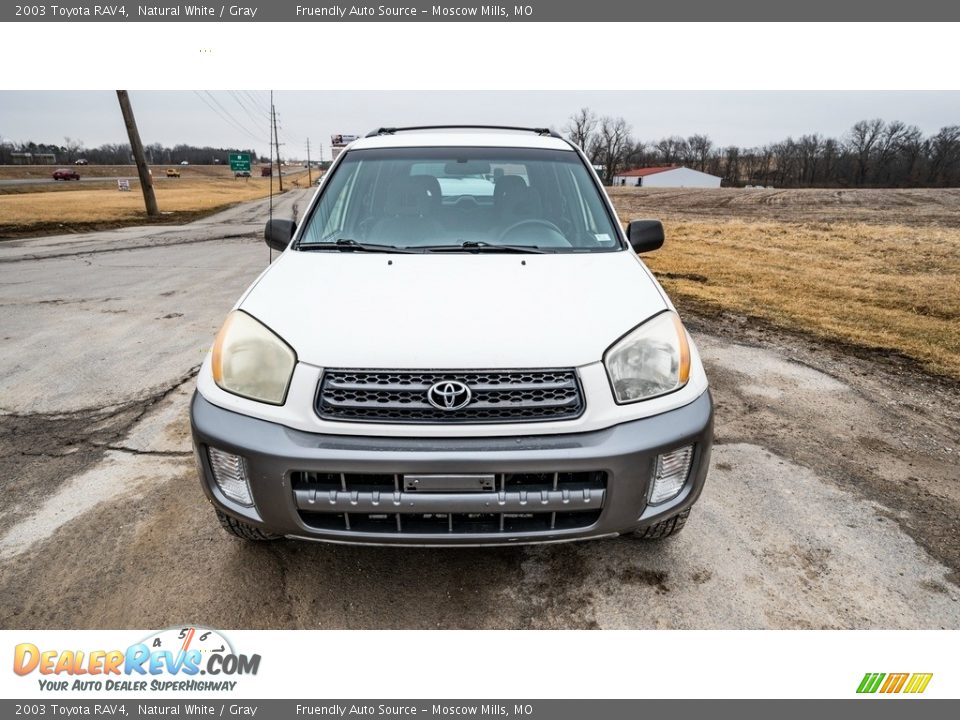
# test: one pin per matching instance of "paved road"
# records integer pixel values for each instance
(13, 182)
(83, 179)
(832, 499)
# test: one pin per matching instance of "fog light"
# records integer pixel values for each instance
(671, 474)
(230, 474)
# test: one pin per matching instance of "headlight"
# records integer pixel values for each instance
(652, 360)
(250, 361)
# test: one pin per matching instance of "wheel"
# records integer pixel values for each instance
(534, 222)
(242, 530)
(664, 528)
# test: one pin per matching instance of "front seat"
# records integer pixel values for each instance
(410, 213)
(515, 201)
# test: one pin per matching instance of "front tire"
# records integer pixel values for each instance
(664, 528)
(243, 530)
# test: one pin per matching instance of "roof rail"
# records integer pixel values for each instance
(394, 130)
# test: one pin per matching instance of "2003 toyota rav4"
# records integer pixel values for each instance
(457, 346)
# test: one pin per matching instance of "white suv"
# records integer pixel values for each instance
(457, 346)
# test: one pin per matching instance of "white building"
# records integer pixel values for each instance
(666, 176)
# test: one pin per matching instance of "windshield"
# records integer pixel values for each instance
(463, 197)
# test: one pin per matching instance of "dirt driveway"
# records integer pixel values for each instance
(832, 500)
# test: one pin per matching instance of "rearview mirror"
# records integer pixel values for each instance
(462, 168)
(645, 235)
(277, 233)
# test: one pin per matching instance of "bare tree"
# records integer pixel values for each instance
(871, 153)
(72, 149)
(698, 151)
(611, 146)
(830, 151)
(913, 147)
(808, 148)
(671, 149)
(580, 128)
(861, 140)
(945, 156)
(636, 155)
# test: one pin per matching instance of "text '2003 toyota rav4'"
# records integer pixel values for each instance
(457, 346)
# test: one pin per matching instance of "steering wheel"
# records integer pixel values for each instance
(532, 221)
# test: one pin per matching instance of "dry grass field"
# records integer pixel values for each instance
(903, 207)
(876, 269)
(81, 206)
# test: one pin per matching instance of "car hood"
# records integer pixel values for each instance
(445, 311)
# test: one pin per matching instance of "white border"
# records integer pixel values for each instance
(475, 56)
(556, 56)
(542, 664)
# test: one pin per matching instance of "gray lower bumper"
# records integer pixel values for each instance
(626, 452)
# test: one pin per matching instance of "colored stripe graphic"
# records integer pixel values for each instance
(918, 683)
(870, 682)
(894, 683)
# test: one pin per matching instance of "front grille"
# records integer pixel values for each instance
(376, 503)
(400, 396)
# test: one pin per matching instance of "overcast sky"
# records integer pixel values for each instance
(240, 118)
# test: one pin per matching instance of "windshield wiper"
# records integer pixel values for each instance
(347, 245)
(481, 246)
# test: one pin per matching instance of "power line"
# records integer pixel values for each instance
(258, 104)
(229, 114)
(243, 105)
(265, 99)
(226, 119)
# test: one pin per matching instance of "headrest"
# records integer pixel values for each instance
(415, 195)
(508, 185)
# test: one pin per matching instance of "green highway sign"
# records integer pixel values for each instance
(240, 162)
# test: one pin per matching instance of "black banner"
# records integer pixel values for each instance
(524, 11)
(853, 709)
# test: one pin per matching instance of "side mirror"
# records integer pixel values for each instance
(645, 235)
(277, 233)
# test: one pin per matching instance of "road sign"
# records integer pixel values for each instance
(240, 162)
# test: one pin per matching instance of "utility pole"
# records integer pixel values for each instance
(276, 140)
(146, 182)
(270, 148)
(309, 169)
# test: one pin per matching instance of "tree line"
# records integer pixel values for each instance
(873, 153)
(119, 153)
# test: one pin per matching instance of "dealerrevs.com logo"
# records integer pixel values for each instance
(178, 659)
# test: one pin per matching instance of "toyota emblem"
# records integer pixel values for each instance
(449, 395)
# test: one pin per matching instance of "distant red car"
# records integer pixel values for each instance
(64, 174)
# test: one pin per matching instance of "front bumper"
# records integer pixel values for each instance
(626, 453)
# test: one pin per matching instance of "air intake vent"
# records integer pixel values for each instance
(420, 396)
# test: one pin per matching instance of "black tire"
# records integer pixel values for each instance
(664, 528)
(242, 530)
